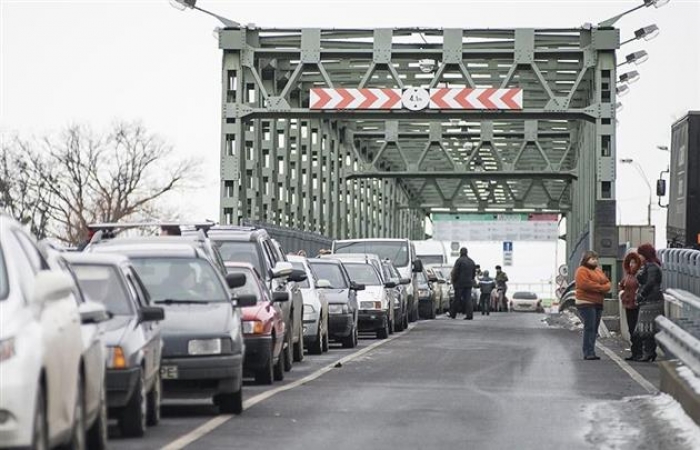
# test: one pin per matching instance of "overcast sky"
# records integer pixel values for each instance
(92, 62)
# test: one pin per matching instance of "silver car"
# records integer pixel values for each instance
(316, 336)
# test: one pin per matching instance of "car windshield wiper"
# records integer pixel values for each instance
(172, 301)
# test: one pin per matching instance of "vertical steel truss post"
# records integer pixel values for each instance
(353, 173)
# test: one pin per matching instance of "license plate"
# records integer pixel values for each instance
(168, 372)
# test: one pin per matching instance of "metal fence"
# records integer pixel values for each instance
(681, 269)
(292, 240)
(679, 330)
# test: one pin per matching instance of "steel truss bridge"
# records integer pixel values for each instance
(379, 172)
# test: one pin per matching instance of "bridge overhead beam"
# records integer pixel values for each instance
(366, 173)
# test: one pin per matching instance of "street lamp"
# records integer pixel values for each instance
(622, 90)
(635, 58)
(663, 148)
(647, 3)
(646, 180)
(630, 77)
(192, 4)
(647, 33)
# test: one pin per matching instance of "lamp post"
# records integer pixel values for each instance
(647, 33)
(646, 180)
(192, 4)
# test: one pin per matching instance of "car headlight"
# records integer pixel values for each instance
(7, 349)
(204, 347)
(371, 305)
(338, 309)
(253, 327)
(116, 358)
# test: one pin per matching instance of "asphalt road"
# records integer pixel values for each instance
(503, 381)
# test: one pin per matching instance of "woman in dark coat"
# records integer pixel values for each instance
(649, 297)
(628, 295)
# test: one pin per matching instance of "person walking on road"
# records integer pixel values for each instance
(628, 295)
(591, 287)
(463, 277)
(650, 300)
(502, 287)
(486, 286)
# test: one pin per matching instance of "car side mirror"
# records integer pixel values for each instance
(660, 187)
(246, 300)
(323, 284)
(417, 266)
(50, 285)
(298, 275)
(280, 296)
(93, 312)
(235, 280)
(151, 314)
(442, 281)
(281, 270)
(390, 284)
(356, 286)
(405, 281)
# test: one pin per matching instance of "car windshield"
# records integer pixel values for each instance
(395, 251)
(525, 296)
(4, 285)
(363, 274)
(302, 284)
(240, 251)
(428, 260)
(101, 284)
(180, 279)
(330, 272)
(250, 287)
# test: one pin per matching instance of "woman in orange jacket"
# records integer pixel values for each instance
(591, 287)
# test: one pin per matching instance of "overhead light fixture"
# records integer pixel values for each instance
(182, 4)
(629, 77)
(192, 4)
(655, 3)
(622, 90)
(611, 21)
(647, 33)
(619, 106)
(636, 58)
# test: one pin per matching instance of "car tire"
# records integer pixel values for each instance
(350, 341)
(153, 402)
(299, 346)
(432, 313)
(405, 321)
(265, 375)
(288, 352)
(230, 403)
(278, 369)
(97, 434)
(316, 347)
(383, 333)
(40, 434)
(78, 432)
(326, 339)
(132, 421)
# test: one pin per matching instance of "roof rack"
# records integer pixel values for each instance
(130, 225)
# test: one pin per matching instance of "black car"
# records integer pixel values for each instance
(254, 246)
(342, 299)
(203, 340)
(132, 337)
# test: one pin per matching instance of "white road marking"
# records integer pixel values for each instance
(636, 376)
(217, 421)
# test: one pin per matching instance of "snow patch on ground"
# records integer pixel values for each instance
(642, 423)
(565, 319)
(689, 376)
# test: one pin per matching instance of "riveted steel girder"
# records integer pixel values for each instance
(354, 173)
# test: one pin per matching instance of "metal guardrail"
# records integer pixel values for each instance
(679, 330)
(681, 268)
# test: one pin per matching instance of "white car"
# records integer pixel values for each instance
(41, 345)
(526, 301)
(315, 308)
(376, 308)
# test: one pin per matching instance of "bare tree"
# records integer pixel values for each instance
(87, 178)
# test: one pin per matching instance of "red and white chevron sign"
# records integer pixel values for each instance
(480, 98)
(355, 98)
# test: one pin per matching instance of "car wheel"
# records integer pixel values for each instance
(405, 321)
(153, 402)
(350, 341)
(77, 439)
(40, 435)
(316, 348)
(326, 344)
(299, 346)
(230, 403)
(97, 434)
(432, 313)
(132, 422)
(384, 332)
(265, 374)
(278, 370)
(288, 352)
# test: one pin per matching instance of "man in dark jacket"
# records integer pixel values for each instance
(463, 274)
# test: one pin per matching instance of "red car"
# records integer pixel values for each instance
(263, 326)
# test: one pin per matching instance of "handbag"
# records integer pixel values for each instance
(646, 322)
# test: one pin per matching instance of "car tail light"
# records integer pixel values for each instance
(253, 327)
(117, 360)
